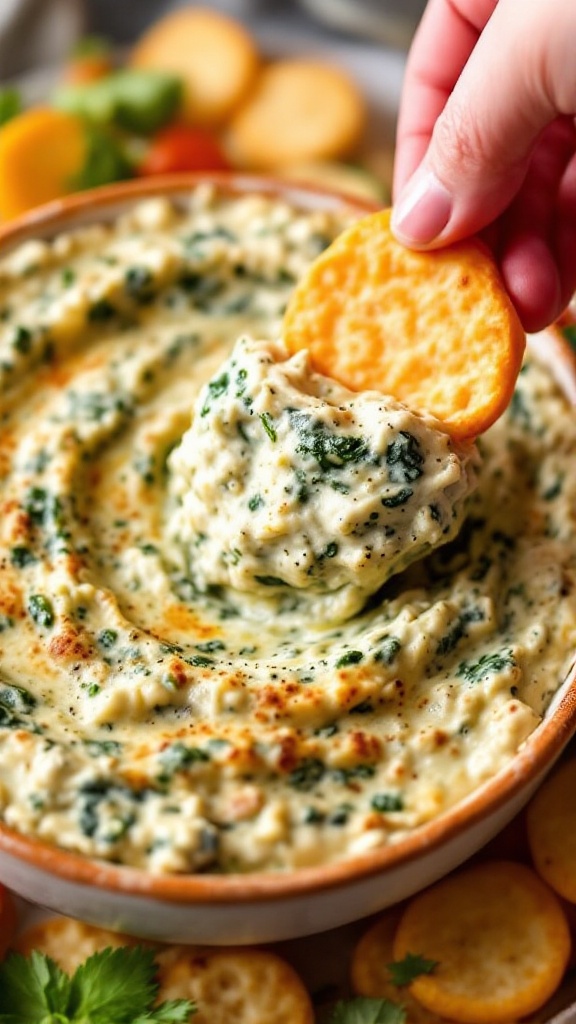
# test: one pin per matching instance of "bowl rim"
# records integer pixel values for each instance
(537, 753)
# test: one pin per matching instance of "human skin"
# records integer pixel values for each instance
(487, 142)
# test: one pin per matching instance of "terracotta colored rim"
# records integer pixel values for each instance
(537, 753)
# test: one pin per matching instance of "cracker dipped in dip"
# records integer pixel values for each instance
(221, 645)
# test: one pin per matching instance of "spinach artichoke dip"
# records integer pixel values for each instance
(250, 620)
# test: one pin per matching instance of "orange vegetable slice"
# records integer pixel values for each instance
(551, 821)
(436, 330)
(500, 939)
(40, 152)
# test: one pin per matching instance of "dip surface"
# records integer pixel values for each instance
(288, 479)
(156, 718)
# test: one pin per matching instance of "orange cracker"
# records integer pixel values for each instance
(300, 109)
(247, 986)
(500, 939)
(551, 820)
(370, 972)
(69, 942)
(436, 330)
(214, 55)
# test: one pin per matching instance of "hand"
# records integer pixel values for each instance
(487, 140)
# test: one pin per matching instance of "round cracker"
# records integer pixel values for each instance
(551, 823)
(436, 330)
(299, 110)
(247, 986)
(370, 973)
(213, 55)
(68, 942)
(500, 939)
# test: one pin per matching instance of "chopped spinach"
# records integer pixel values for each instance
(268, 426)
(177, 757)
(22, 556)
(349, 658)
(458, 630)
(270, 581)
(215, 388)
(387, 802)
(255, 502)
(22, 339)
(110, 748)
(388, 648)
(41, 610)
(107, 638)
(400, 498)
(329, 449)
(487, 665)
(307, 774)
(404, 458)
(139, 284)
(16, 698)
(101, 311)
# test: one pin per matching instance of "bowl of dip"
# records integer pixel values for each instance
(217, 723)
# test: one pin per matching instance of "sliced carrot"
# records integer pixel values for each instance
(500, 939)
(7, 920)
(40, 152)
(551, 820)
(436, 330)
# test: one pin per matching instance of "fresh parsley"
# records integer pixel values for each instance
(115, 985)
(403, 972)
(368, 1011)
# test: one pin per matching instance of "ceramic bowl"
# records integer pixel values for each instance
(261, 907)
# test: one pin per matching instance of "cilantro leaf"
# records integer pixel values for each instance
(368, 1011)
(175, 1011)
(113, 985)
(31, 988)
(403, 972)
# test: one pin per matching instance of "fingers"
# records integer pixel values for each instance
(447, 34)
(534, 271)
(512, 86)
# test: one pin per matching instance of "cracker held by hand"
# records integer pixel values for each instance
(436, 330)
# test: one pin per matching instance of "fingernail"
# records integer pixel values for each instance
(422, 211)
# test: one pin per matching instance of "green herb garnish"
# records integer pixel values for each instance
(403, 972)
(368, 1011)
(115, 985)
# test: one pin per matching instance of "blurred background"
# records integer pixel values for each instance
(41, 30)
(331, 123)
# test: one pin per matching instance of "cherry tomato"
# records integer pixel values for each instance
(7, 920)
(180, 148)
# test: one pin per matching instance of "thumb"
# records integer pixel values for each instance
(518, 78)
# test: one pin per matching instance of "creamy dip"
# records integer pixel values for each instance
(152, 716)
(287, 478)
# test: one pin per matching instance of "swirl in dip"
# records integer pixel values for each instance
(214, 653)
